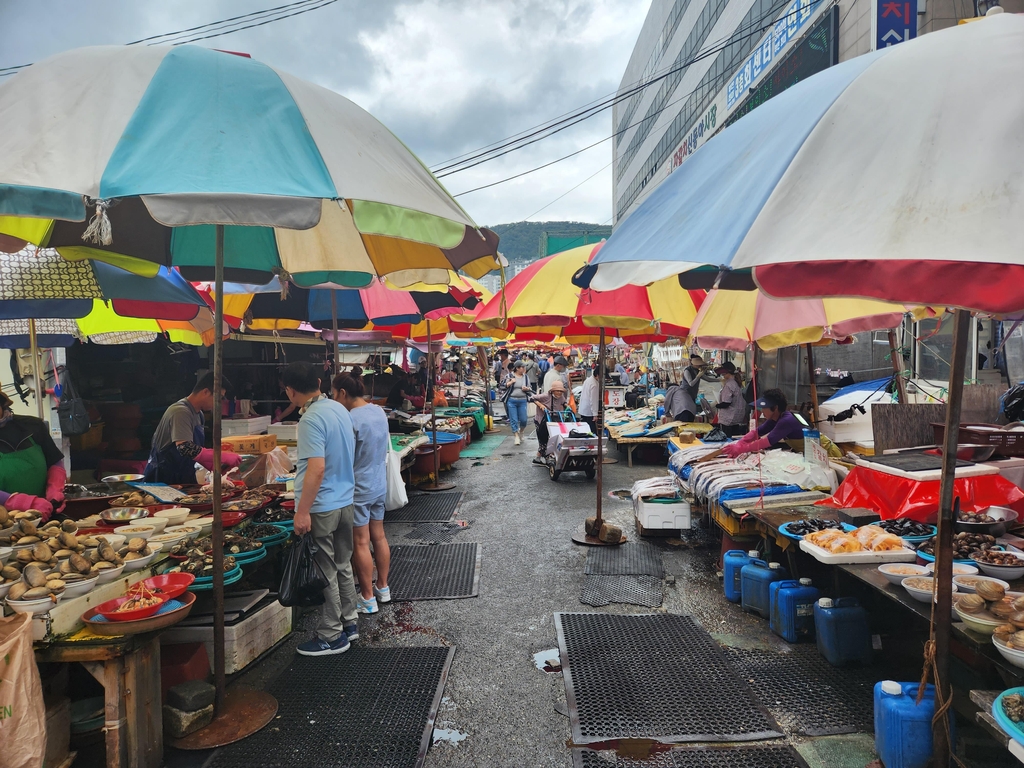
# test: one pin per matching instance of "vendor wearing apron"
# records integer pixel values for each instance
(179, 438)
(779, 426)
(32, 474)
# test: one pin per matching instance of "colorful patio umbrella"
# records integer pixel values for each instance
(855, 182)
(161, 143)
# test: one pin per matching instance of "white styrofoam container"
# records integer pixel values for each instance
(256, 425)
(674, 516)
(244, 641)
(285, 430)
(905, 555)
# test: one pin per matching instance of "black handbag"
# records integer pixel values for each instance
(71, 409)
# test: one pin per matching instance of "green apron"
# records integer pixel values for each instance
(24, 471)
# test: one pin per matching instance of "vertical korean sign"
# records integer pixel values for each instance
(892, 22)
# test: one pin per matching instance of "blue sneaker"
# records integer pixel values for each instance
(382, 595)
(366, 606)
(320, 647)
(351, 632)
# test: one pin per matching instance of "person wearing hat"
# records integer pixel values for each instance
(556, 399)
(558, 371)
(732, 408)
(779, 425)
(32, 473)
(518, 387)
(681, 399)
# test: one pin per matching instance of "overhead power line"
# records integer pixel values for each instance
(572, 189)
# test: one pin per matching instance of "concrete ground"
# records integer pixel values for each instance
(499, 707)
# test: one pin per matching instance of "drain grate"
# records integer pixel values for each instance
(697, 757)
(636, 589)
(631, 558)
(434, 571)
(807, 694)
(660, 677)
(367, 707)
(426, 507)
(438, 533)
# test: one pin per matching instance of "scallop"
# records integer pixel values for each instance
(1004, 631)
(1016, 640)
(971, 603)
(1017, 619)
(1003, 609)
(990, 591)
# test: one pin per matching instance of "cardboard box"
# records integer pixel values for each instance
(249, 443)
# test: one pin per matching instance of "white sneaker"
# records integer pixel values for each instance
(518, 441)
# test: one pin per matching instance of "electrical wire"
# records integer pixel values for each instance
(209, 25)
(568, 191)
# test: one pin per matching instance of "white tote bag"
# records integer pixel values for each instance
(396, 497)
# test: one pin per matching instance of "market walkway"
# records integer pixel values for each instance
(499, 709)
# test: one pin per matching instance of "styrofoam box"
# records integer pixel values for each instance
(285, 430)
(255, 425)
(674, 516)
(244, 641)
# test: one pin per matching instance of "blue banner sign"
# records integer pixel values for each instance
(895, 22)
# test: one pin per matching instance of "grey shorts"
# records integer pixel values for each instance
(367, 511)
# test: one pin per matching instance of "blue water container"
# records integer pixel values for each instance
(903, 728)
(732, 562)
(755, 578)
(843, 635)
(792, 609)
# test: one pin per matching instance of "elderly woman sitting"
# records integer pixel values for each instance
(555, 400)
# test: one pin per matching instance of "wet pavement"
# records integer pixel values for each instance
(504, 701)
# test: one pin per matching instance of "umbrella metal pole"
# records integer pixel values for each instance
(218, 526)
(897, 367)
(37, 374)
(334, 325)
(814, 385)
(600, 426)
(437, 485)
(944, 550)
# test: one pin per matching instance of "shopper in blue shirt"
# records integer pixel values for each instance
(324, 490)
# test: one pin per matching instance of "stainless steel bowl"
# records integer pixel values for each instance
(123, 478)
(1004, 516)
(124, 514)
(973, 452)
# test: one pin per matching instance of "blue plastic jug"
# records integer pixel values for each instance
(755, 578)
(903, 728)
(842, 631)
(732, 563)
(792, 609)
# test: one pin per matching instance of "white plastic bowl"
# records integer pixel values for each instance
(174, 515)
(166, 540)
(136, 531)
(892, 571)
(5, 588)
(79, 588)
(981, 624)
(959, 569)
(1008, 572)
(1012, 655)
(158, 523)
(206, 523)
(923, 595)
(142, 562)
(6, 552)
(967, 583)
(42, 605)
(191, 530)
(116, 540)
(110, 574)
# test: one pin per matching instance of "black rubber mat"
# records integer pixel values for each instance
(659, 677)
(434, 571)
(364, 708)
(438, 533)
(426, 507)
(754, 756)
(631, 558)
(637, 589)
(808, 695)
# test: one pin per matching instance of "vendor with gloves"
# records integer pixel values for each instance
(180, 435)
(779, 425)
(32, 473)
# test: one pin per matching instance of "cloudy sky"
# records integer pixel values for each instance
(447, 76)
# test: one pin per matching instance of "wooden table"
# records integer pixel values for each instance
(128, 668)
(984, 700)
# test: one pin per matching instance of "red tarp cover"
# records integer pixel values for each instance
(893, 496)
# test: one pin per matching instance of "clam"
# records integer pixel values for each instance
(28, 539)
(69, 540)
(69, 526)
(36, 593)
(990, 591)
(137, 544)
(103, 565)
(1017, 619)
(55, 585)
(79, 563)
(1004, 631)
(1003, 609)
(24, 556)
(133, 556)
(34, 576)
(10, 573)
(17, 591)
(60, 554)
(28, 527)
(1016, 640)
(971, 603)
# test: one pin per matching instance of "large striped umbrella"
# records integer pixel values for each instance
(159, 144)
(856, 182)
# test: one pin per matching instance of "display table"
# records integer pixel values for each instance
(128, 668)
(405, 445)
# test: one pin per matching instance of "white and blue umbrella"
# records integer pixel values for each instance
(159, 144)
(892, 176)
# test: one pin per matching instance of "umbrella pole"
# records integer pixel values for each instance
(437, 485)
(814, 385)
(941, 618)
(897, 367)
(600, 428)
(334, 325)
(218, 526)
(37, 374)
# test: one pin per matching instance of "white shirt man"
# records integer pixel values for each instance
(589, 397)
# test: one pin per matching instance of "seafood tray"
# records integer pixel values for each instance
(905, 555)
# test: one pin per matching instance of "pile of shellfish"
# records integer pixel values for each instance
(990, 601)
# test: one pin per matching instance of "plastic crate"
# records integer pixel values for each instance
(1007, 443)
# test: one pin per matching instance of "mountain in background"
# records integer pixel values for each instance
(525, 241)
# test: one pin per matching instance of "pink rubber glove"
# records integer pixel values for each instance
(56, 477)
(761, 444)
(732, 450)
(205, 458)
(230, 459)
(750, 436)
(23, 501)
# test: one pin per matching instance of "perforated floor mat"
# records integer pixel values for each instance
(426, 507)
(658, 677)
(805, 693)
(631, 558)
(638, 589)
(755, 756)
(366, 708)
(438, 533)
(434, 571)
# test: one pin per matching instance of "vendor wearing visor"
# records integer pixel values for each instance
(779, 425)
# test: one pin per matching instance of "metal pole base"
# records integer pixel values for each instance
(245, 712)
(609, 460)
(435, 487)
(580, 536)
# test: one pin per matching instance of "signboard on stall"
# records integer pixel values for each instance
(615, 397)
(893, 22)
